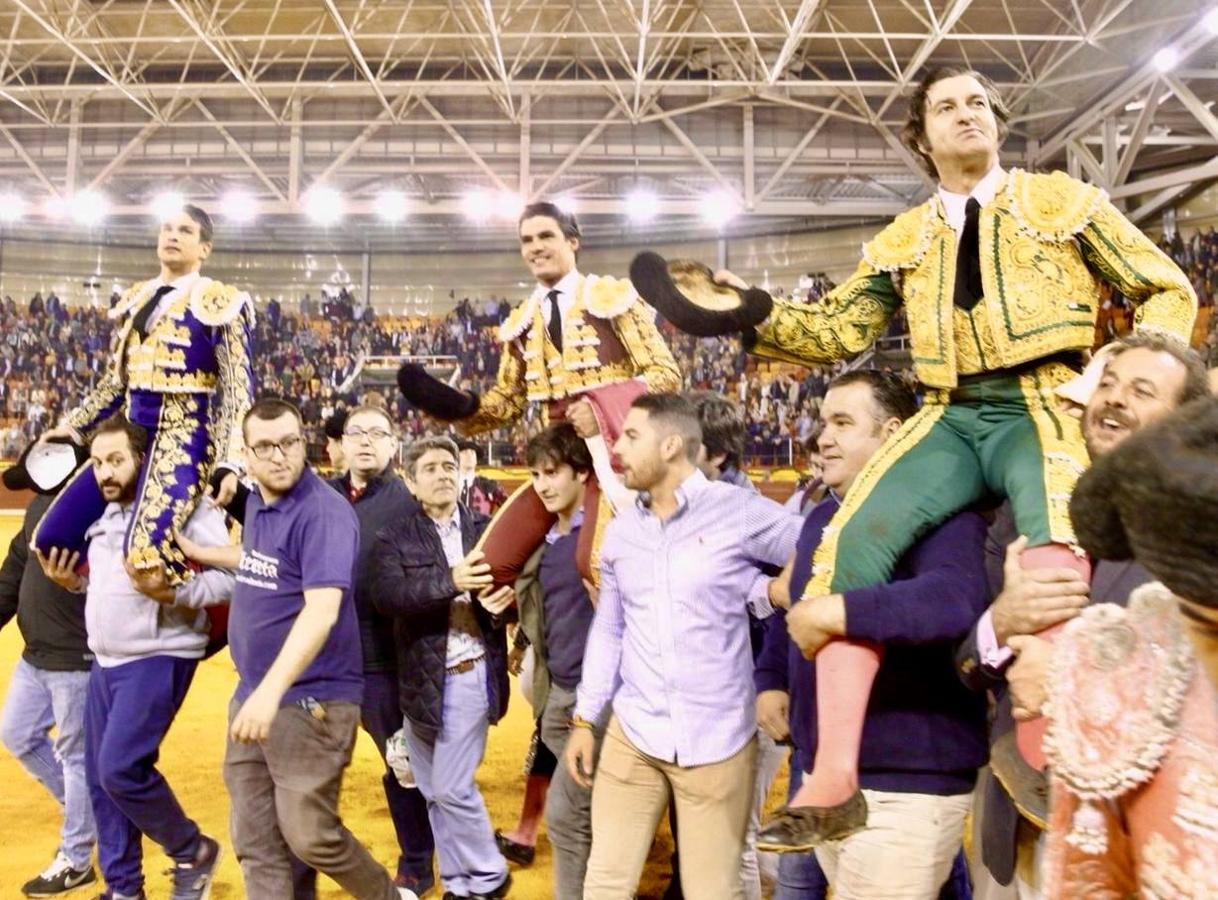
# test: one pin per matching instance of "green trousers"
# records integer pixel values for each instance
(995, 436)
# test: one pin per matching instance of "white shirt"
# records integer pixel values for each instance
(461, 646)
(179, 284)
(984, 190)
(566, 295)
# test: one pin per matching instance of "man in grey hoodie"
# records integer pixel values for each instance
(147, 639)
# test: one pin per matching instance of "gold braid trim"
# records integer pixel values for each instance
(236, 374)
(910, 434)
(503, 403)
(132, 298)
(518, 320)
(903, 243)
(1061, 443)
(1052, 207)
(648, 351)
(845, 323)
(607, 297)
(1165, 300)
(215, 303)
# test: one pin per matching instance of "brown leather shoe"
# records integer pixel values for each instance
(1027, 787)
(798, 829)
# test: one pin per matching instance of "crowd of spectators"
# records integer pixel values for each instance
(310, 353)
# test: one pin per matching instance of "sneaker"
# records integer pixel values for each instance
(115, 895)
(416, 886)
(193, 880)
(59, 878)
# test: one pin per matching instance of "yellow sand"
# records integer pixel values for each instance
(191, 761)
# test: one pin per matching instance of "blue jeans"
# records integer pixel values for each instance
(470, 861)
(37, 700)
(128, 714)
(799, 874)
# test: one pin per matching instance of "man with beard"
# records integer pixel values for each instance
(1143, 378)
(147, 638)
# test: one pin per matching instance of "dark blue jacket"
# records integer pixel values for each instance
(924, 732)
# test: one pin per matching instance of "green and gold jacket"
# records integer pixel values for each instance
(1047, 242)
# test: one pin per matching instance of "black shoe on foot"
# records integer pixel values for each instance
(498, 893)
(59, 878)
(521, 854)
(798, 829)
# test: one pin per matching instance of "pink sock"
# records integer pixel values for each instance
(845, 671)
(1029, 736)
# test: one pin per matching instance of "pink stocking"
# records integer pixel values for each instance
(845, 671)
(1030, 735)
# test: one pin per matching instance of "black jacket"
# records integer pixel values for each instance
(385, 501)
(51, 620)
(412, 581)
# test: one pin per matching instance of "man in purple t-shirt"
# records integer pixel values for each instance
(294, 639)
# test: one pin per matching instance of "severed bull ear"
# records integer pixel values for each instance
(685, 293)
(433, 396)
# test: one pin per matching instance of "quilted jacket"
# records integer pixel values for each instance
(413, 584)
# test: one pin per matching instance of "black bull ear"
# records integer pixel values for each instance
(686, 294)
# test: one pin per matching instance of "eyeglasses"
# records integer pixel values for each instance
(266, 449)
(375, 434)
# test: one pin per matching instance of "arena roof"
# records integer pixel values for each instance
(786, 109)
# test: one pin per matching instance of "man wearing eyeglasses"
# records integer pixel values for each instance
(380, 498)
(295, 641)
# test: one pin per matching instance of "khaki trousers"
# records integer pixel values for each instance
(904, 853)
(630, 794)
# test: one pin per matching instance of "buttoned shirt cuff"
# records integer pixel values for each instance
(991, 655)
(759, 598)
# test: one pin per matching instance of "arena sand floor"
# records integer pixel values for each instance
(191, 759)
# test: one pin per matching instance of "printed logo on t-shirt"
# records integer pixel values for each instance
(259, 570)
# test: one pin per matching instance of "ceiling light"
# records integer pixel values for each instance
(719, 208)
(1166, 59)
(167, 204)
(12, 207)
(391, 206)
(88, 207)
(476, 205)
(508, 205)
(239, 207)
(642, 206)
(324, 205)
(1211, 21)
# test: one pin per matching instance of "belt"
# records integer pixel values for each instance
(1072, 359)
(466, 665)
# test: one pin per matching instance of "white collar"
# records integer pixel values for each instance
(178, 284)
(565, 287)
(984, 191)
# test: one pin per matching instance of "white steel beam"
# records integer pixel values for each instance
(464, 145)
(357, 56)
(241, 152)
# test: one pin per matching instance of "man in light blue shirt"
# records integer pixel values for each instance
(669, 651)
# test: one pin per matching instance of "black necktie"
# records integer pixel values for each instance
(968, 259)
(140, 323)
(555, 326)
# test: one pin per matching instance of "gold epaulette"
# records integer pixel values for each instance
(903, 243)
(607, 297)
(133, 296)
(518, 320)
(1052, 207)
(215, 303)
